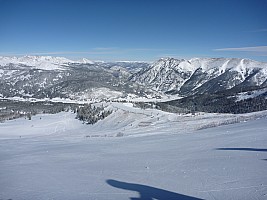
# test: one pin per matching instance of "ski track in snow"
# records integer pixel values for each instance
(52, 157)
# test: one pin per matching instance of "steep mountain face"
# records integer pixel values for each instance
(200, 75)
(165, 74)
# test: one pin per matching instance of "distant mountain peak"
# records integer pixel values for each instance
(85, 61)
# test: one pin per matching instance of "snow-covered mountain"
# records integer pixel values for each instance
(199, 75)
(38, 62)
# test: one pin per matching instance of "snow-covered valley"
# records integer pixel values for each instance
(134, 154)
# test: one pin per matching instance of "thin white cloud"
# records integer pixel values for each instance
(131, 49)
(105, 48)
(59, 53)
(93, 51)
(259, 30)
(246, 49)
(149, 49)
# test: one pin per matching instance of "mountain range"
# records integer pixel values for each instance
(46, 76)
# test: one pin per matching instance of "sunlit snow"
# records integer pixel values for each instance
(134, 154)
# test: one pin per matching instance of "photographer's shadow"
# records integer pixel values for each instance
(149, 193)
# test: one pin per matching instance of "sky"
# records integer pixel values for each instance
(141, 30)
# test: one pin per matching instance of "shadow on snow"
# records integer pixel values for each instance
(149, 193)
(242, 149)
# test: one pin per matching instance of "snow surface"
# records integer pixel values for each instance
(58, 157)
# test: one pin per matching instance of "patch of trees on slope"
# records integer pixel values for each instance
(220, 102)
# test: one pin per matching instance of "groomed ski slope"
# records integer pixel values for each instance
(134, 154)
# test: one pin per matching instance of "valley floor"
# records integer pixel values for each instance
(134, 154)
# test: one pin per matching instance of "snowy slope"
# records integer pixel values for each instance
(53, 159)
(127, 120)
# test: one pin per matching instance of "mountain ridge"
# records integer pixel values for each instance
(199, 75)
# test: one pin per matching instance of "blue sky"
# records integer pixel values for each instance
(134, 29)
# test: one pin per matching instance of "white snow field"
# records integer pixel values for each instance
(134, 154)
